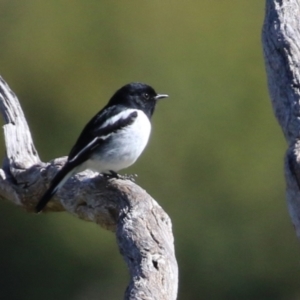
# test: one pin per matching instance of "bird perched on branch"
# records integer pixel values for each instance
(113, 139)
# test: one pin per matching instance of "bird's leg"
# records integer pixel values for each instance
(113, 174)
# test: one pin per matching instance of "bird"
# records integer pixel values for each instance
(113, 139)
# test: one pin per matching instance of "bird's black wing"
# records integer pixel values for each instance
(96, 132)
(93, 135)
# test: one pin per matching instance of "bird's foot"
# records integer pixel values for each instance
(130, 177)
(113, 174)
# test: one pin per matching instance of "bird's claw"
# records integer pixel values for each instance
(113, 174)
(130, 177)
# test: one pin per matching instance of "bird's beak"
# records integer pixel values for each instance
(161, 96)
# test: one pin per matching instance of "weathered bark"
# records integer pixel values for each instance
(281, 43)
(143, 229)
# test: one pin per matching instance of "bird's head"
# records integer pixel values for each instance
(137, 95)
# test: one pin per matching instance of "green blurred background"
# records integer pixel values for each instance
(214, 162)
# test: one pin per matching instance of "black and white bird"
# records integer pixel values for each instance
(113, 139)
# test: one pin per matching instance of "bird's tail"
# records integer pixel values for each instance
(58, 181)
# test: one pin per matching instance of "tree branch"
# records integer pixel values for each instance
(143, 229)
(281, 44)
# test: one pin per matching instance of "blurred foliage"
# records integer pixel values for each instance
(214, 162)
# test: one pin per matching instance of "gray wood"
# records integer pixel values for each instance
(281, 44)
(143, 230)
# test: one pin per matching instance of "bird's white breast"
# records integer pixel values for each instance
(124, 146)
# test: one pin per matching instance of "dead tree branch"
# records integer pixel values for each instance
(281, 44)
(143, 229)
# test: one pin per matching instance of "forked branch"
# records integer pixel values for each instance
(143, 229)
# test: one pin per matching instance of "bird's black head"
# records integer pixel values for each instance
(137, 95)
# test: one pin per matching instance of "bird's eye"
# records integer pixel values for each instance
(146, 96)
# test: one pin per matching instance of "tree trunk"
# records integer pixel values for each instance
(281, 44)
(143, 229)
